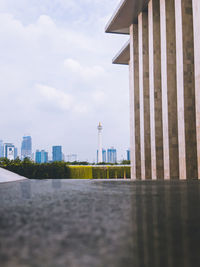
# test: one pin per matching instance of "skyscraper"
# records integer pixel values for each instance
(128, 154)
(41, 156)
(103, 155)
(15, 152)
(112, 155)
(1, 149)
(9, 151)
(100, 154)
(57, 153)
(26, 148)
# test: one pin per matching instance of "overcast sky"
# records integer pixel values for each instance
(56, 77)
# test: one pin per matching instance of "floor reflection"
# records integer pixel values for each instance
(167, 221)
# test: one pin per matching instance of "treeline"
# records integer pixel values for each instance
(62, 170)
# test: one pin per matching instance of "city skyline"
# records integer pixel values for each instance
(58, 71)
(31, 153)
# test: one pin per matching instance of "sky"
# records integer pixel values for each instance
(57, 80)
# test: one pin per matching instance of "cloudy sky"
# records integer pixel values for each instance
(56, 77)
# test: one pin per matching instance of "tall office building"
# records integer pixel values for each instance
(15, 152)
(41, 156)
(1, 149)
(128, 154)
(26, 148)
(57, 153)
(112, 155)
(103, 155)
(9, 151)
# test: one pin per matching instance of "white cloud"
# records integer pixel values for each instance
(55, 97)
(85, 72)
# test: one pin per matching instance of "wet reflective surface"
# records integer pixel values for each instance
(99, 223)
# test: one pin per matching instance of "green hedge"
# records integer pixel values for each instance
(80, 172)
(60, 170)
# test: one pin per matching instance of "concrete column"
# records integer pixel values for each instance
(169, 89)
(196, 21)
(134, 104)
(144, 95)
(186, 90)
(155, 90)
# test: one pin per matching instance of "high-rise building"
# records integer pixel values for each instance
(100, 154)
(26, 148)
(57, 153)
(128, 154)
(9, 151)
(1, 149)
(41, 156)
(103, 155)
(15, 152)
(112, 155)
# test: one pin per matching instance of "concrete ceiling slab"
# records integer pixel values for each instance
(123, 56)
(126, 14)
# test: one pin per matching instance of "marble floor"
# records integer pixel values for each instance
(98, 223)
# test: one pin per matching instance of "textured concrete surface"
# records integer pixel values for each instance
(7, 176)
(99, 223)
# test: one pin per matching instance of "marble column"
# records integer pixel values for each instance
(144, 95)
(186, 90)
(196, 23)
(134, 104)
(155, 90)
(169, 89)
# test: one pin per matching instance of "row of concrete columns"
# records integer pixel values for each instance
(165, 91)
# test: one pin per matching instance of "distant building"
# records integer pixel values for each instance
(1, 149)
(9, 151)
(41, 156)
(57, 153)
(26, 148)
(71, 157)
(103, 155)
(112, 155)
(38, 156)
(15, 153)
(128, 154)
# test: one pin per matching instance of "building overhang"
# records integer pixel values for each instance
(126, 14)
(123, 56)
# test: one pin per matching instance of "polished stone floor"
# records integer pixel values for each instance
(95, 223)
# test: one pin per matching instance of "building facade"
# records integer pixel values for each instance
(163, 55)
(112, 155)
(57, 153)
(26, 147)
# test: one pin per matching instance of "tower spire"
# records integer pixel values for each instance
(100, 150)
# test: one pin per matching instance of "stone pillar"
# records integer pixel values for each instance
(134, 104)
(196, 21)
(144, 95)
(155, 90)
(169, 89)
(186, 90)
